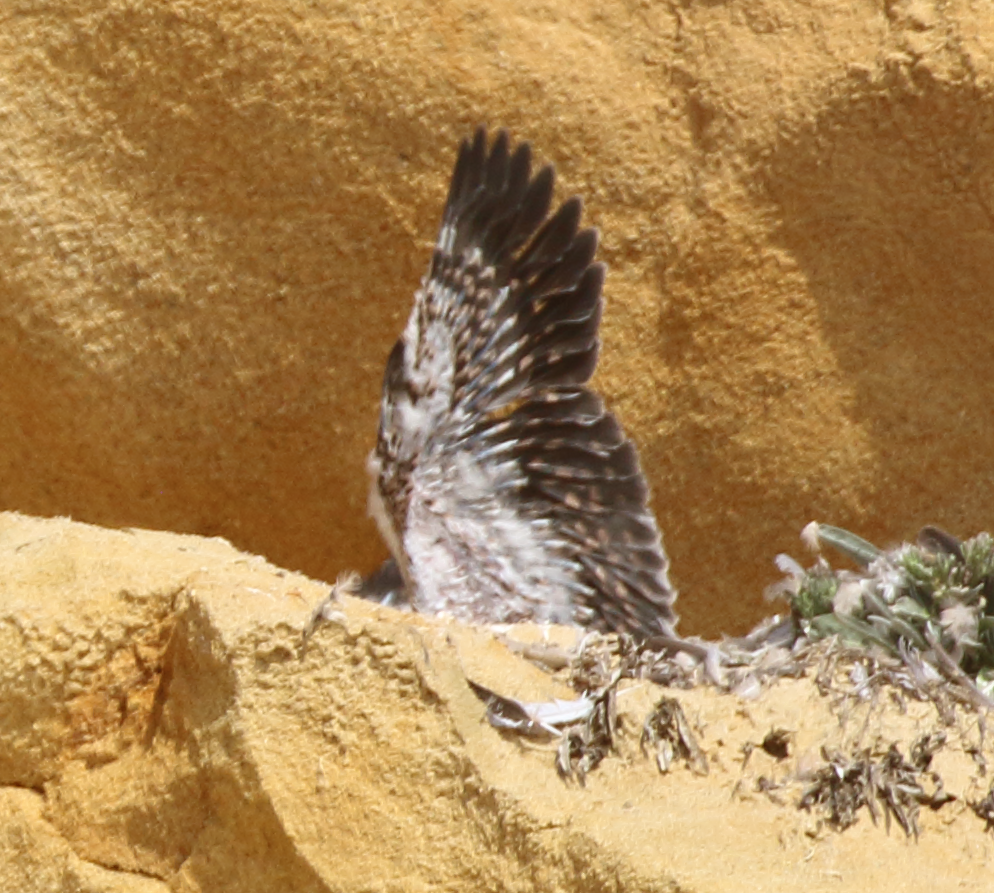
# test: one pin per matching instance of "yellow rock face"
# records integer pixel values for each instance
(162, 729)
(213, 217)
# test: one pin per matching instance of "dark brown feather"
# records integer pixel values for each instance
(520, 298)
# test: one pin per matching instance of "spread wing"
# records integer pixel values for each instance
(493, 365)
(523, 294)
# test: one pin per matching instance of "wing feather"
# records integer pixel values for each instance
(505, 330)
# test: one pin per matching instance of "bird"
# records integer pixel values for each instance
(503, 487)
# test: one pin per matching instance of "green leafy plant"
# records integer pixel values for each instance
(930, 603)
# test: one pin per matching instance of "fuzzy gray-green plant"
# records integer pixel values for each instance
(930, 603)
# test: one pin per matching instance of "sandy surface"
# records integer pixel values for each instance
(161, 730)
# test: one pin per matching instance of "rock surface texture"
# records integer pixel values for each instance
(213, 216)
(161, 730)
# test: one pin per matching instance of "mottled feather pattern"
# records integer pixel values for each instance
(505, 489)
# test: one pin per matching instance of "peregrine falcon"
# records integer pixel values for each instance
(503, 487)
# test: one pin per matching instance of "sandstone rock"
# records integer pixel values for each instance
(213, 216)
(161, 729)
(34, 858)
